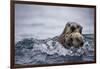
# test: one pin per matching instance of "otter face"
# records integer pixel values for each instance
(75, 39)
(74, 27)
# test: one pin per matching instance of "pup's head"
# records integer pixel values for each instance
(75, 39)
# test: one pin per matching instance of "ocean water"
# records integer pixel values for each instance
(48, 51)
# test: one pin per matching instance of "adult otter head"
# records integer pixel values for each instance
(72, 27)
(72, 35)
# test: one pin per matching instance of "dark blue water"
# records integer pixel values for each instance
(49, 51)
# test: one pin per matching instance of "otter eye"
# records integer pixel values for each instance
(68, 24)
(78, 26)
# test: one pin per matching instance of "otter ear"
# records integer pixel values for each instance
(81, 30)
(68, 24)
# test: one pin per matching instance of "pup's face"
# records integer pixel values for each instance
(75, 39)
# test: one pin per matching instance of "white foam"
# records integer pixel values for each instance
(56, 49)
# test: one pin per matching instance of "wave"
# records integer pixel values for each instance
(49, 51)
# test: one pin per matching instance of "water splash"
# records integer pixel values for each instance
(49, 51)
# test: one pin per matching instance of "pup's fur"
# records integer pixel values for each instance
(72, 35)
